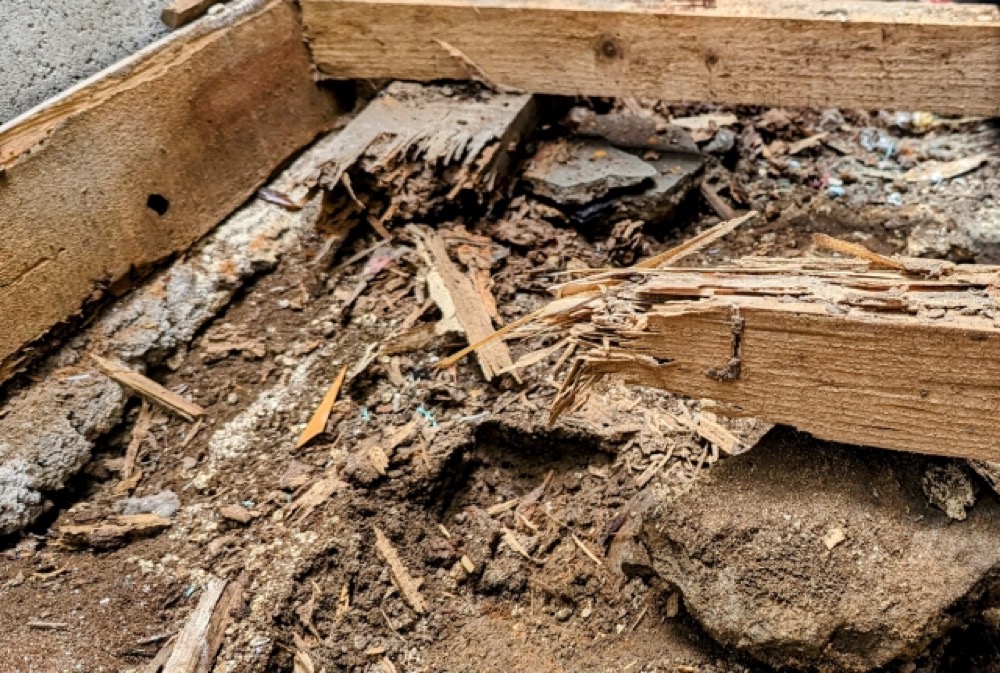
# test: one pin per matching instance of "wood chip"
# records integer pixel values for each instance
(114, 532)
(408, 588)
(302, 662)
(238, 513)
(139, 432)
(191, 434)
(719, 205)
(182, 12)
(47, 626)
(343, 602)
(502, 507)
(705, 122)
(510, 538)
(460, 303)
(317, 424)
(654, 469)
(317, 494)
(149, 389)
(467, 564)
(936, 171)
(834, 537)
(718, 435)
(857, 250)
(583, 548)
(693, 245)
(806, 143)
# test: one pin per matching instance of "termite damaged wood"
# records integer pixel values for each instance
(905, 359)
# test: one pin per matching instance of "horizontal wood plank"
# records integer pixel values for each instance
(869, 55)
(138, 162)
(882, 359)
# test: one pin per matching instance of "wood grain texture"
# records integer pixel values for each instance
(140, 161)
(870, 358)
(182, 12)
(869, 55)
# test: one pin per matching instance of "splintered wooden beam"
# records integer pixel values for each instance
(906, 360)
(868, 55)
(138, 162)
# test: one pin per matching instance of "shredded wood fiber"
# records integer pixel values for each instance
(906, 357)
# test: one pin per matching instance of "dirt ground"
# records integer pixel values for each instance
(505, 521)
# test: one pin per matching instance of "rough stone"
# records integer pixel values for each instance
(982, 231)
(46, 436)
(677, 176)
(949, 488)
(578, 173)
(746, 549)
(51, 45)
(164, 503)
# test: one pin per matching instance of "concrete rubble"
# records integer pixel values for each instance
(816, 555)
(599, 183)
(578, 173)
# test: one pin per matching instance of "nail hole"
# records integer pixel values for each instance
(158, 204)
(608, 48)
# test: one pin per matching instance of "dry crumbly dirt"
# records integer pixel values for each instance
(423, 454)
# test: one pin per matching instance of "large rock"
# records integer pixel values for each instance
(823, 556)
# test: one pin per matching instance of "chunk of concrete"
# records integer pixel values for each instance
(677, 176)
(949, 488)
(748, 548)
(575, 173)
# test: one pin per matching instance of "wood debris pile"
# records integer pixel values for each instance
(415, 149)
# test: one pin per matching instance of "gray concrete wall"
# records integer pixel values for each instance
(46, 46)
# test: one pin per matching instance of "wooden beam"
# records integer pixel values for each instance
(893, 359)
(869, 55)
(138, 162)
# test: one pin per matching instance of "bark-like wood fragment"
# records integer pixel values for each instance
(409, 588)
(139, 431)
(415, 148)
(200, 639)
(462, 306)
(317, 494)
(114, 532)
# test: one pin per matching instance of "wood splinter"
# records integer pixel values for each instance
(895, 353)
(149, 389)
(408, 587)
